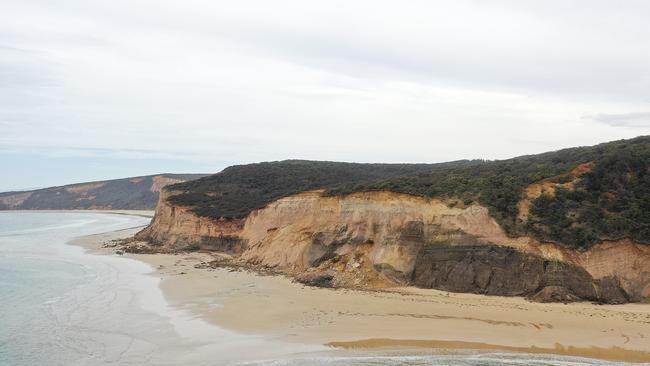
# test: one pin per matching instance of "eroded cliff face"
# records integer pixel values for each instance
(177, 228)
(381, 239)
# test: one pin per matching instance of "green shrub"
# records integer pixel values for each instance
(612, 201)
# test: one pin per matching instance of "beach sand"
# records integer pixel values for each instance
(404, 318)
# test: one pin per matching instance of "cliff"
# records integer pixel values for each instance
(566, 225)
(384, 239)
(576, 197)
(178, 228)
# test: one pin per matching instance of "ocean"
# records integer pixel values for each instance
(52, 294)
(62, 306)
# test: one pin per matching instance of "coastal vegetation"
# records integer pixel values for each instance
(610, 200)
(237, 190)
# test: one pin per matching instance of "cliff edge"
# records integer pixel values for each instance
(566, 225)
(387, 239)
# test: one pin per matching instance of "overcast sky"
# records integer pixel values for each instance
(105, 89)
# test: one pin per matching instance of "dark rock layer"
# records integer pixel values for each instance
(223, 243)
(494, 270)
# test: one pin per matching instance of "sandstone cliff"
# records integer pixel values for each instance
(177, 228)
(383, 239)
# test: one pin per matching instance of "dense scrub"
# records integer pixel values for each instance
(238, 190)
(497, 185)
(611, 201)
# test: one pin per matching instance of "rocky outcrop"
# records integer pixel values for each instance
(623, 261)
(177, 228)
(381, 239)
(494, 270)
(292, 232)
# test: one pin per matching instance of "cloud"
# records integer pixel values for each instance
(246, 81)
(550, 47)
(83, 152)
(638, 119)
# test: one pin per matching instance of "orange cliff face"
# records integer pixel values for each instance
(177, 228)
(381, 239)
(297, 224)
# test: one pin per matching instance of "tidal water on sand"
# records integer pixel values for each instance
(456, 359)
(52, 296)
(61, 306)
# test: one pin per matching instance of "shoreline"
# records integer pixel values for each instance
(141, 213)
(404, 318)
(195, 339)
(598, 353)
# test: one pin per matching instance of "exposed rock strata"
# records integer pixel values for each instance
(177, 228)
(494, 270)
(379, 239)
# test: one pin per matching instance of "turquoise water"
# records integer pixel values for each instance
(60, 306)
(40, 277)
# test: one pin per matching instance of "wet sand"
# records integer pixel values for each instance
(277, 308)
(142, 213)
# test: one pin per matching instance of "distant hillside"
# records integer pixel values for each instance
(575, 197)
(120, 194)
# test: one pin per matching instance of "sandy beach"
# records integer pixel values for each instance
(404, 318)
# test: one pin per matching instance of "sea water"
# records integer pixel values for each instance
(47, 288)
(61, 306)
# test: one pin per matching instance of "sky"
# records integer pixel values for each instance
(95, 89)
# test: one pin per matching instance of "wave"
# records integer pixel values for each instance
(456, 359)
(76, 223)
